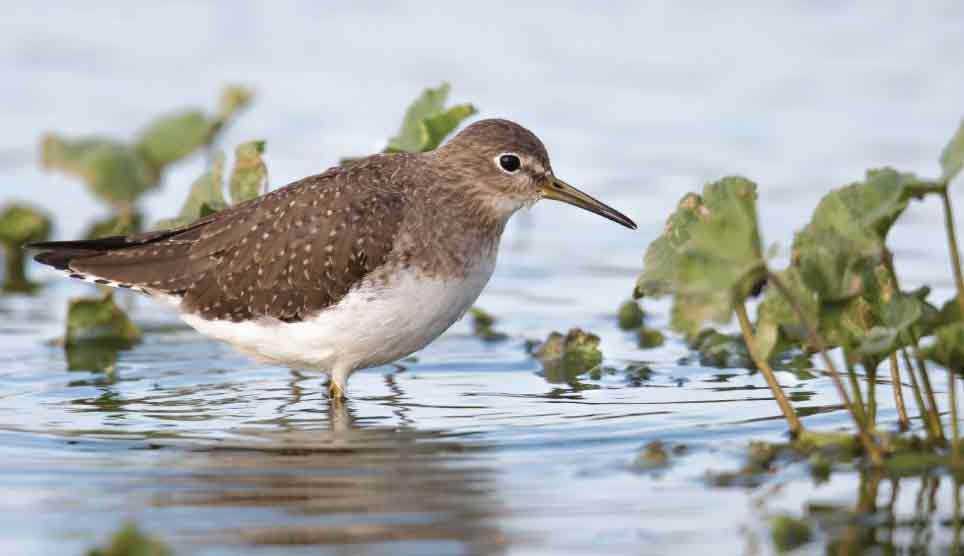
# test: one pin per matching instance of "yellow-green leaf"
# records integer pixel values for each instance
(113, 172)
(249, 177)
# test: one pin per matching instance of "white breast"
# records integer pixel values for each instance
(370, 326)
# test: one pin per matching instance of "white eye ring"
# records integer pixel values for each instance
(510, 163)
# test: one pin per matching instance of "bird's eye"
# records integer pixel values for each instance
(510, 163)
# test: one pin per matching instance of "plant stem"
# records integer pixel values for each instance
(871, 373)
(761, 363)
(952, 246)
(930, 426)
(873, 450)
(855, 386)
(955, 427)
(928, 389)
(898, 387)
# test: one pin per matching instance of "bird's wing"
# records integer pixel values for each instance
(286, 254)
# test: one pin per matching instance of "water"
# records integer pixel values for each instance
(469, 449)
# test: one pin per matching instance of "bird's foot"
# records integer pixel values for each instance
(335, 392)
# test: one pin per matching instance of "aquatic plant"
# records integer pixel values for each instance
(119, 172)
(131, 541)
(20, 224)
(840, 290)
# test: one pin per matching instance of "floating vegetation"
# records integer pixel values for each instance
(841, 290)
(97, 329)
(131, 541)
(20, 224)
(630, 315)
(564, 357)
(650, 338)
(483, 325)
(788, 532)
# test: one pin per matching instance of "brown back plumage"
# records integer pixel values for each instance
(285, 255)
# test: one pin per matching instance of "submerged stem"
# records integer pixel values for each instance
(873, 450)
(898, 387)
(761, 363)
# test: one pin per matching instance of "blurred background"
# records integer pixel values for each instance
(637, 102)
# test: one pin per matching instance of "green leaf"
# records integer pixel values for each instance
(659, 263)
(234, 98)
(848, 231)
(830, 264)
(722, 261)
(566, 356)
(777, 323)
(952, 157)
(119, 224)
(948, 349)
(630, 315)
(206, 196)
(131, 541)
(427, 122)
(173, 137)
(650, 338)
(19, 224)
(788, 533)
(249, 177)
(99, 319)
(114, 172)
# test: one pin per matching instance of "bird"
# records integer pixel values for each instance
(355, 267)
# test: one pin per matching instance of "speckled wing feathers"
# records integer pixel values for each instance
(286, 255)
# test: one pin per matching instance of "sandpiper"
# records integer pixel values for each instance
(355, 267)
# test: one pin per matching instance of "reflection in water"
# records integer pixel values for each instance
(891, 515)
(422, 492)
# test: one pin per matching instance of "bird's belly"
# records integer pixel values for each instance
(372, 325)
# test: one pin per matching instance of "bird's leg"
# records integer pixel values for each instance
(335, 391)
(336, 386)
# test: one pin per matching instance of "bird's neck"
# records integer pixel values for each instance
(457, 233)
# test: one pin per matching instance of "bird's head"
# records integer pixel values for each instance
(508, 166)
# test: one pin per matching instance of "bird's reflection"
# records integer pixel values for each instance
(344, 487)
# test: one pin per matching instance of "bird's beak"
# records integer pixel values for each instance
(558, 190)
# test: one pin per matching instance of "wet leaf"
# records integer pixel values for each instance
(19, 224)
(427, 122)
(206, 191)
(173, 137)
(114, 172)
(659, 263)
(650, 338)
(249, 177)
(777, 324)
(788, 532)
(722, 261)
(99, 319)
(630, 315)
(948, 348)
(952, 157)
(566, 356)
(721, 350)
(131, 541)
